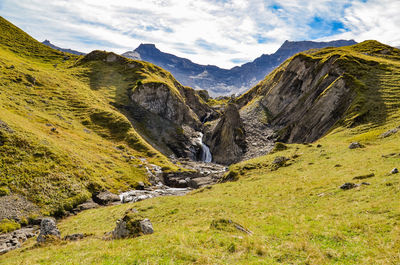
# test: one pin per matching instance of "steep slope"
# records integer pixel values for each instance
(222, 81)
(310, 94)
(62, 137)
(51, 45)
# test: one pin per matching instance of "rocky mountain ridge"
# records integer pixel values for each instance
(218, 81)
(51, 45)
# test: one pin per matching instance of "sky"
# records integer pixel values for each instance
(225, 33)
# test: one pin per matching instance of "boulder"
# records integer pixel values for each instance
(348, 186)
(48, 230)
(132, 225)
(394, 171)
(89, 204)
(355, 145)
(74, 237)
(105, 198)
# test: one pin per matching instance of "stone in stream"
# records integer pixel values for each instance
(105, 198)
(15, 239)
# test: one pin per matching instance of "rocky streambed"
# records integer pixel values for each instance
(193, 175)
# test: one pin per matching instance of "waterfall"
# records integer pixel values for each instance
(205, 151)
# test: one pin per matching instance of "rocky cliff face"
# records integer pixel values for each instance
(227, 138)
(220, 81)
(308, 99)
(310, 94)
(161, 100)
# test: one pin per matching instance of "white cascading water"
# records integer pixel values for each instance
(205, 151)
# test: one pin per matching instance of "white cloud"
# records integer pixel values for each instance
(205, 31)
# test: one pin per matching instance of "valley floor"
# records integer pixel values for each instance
(297, 214)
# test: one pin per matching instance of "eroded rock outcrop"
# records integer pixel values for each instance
(227, 139)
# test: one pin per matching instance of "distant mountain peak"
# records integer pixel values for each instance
(220, 81)
(147, 47)
(51, 45)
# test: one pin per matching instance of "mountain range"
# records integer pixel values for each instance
(304, 165)
(218, 81)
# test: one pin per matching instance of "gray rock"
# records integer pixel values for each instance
(349, 185)
(394, 171)
(15, 239)
(146, 227)
(105, 198)
(389, 133)
(355, 145)
(132, 226)
(279, 160)
(74, 237)
(89, 204)
(48, 229)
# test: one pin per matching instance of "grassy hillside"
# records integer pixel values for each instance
(61, 133)
(295, 209)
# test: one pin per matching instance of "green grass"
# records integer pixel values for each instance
(59, 168)
(297, 213)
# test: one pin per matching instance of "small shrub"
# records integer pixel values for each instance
(279, 147)
(232, 247)
(4, 191)
(8, 226)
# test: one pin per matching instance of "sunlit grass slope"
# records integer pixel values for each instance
(296, 211)
(61, 133)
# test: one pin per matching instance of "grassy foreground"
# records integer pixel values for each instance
(297, 213)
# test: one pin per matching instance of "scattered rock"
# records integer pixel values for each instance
(278, 162)
(89, 204)
(366, 183)
(31, 79)
(15, 239)
(105, 198)
(319, 145)
(48, 231)
(365, 176)
(228, 226)
(349, 185)
(132, 225)
(54, 130)
(394, 171)
(4, 126)
(74, 237)
(389, 133)
(355, 145)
